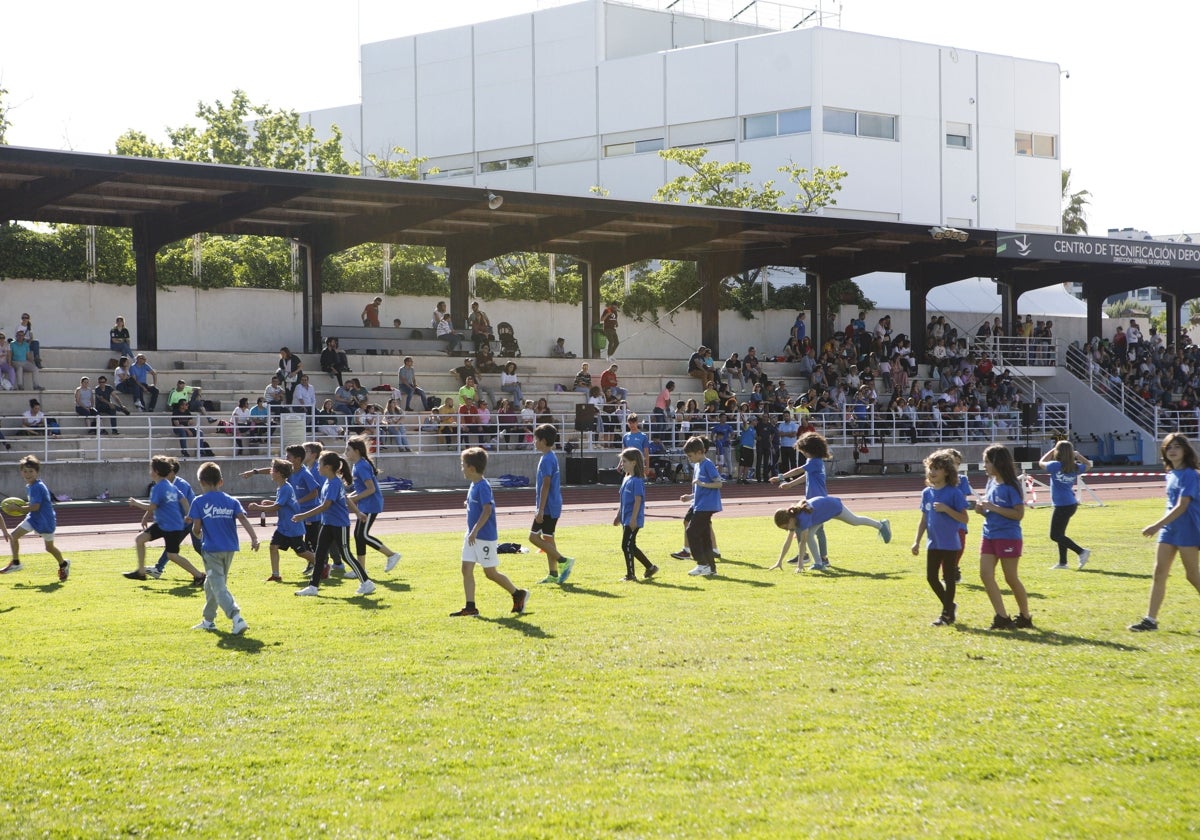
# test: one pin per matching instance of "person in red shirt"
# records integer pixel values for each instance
(370, 313)
(609, 386)
(468, 422)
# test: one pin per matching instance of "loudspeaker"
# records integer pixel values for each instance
(1029, 414)
(1026, 454)
(585, 417)
(581, 470)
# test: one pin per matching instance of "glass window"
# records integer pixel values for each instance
(1043, 145)
(958, 135)
(1024, 142)
(839, 122)
(798, 121)
(877, 125)
(648, 145)
(958, 141)
(617, 149)
(492, 166)
(762, 125)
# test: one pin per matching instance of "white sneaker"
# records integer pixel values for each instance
(1059, 566)
(349, 573)
(699, 570)
(367, 587)
(205, 624)
(239, 625)
(1084, 556)
(308, 590)
(707, 571)
(391, 562)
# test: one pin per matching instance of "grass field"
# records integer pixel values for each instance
(751, 705)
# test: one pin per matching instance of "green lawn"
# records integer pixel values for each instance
(752, 705)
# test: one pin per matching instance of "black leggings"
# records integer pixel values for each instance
(946, 562)
(629, 548)
(1058, 531)
(332, 541)
(362, 535)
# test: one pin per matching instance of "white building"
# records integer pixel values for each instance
(564, 99)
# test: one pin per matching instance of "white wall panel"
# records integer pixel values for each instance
(775, 72)
(700, 83)
(632, 94)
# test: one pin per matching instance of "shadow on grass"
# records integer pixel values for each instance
(1136, 575)
(725, 561)
(394, 585)
(1004, 590)
(756, 583)
(41, 587)
(241, 644)
(659, 582)
(182, 590)
(1039, 636)
(365, 602)
(6, 609)
(519, 624)
(841, 571)
(583, 590)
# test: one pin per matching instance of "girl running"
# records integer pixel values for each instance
(369, 500)
(334, 510)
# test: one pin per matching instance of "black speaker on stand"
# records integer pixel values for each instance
(583, 470)
(1029, 419)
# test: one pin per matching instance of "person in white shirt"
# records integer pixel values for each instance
(304, 397)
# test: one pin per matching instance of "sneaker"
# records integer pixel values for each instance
(1060, 566)
(1084, 556)
(1023, 622)
(308, 590)
(521, 599)
(154, 572)
(565, 565)
(942, 621)
(464, 612)
(337, 568)
(629, 579)
(349, 574)
(64, 571)
(308, 570)
(205, 624)
(699, 570)
(134, 575)
(885, 530)
(1001, 622)
(198, 581)
(391, 562)
(794, 561)
(274, 579)
(367, 587)
(14, 566)
(682, 554)
(820, 565)
(1143, 625)
(707, 571)
(716, 554)
(549, 579)
(651, 572)
(239, 625)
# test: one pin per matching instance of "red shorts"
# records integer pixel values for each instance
(1002, 549)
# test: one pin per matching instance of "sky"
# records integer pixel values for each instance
(80, 73)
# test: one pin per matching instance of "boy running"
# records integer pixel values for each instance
(214, 517)
(39, 519)
(289, 534)
(547, 488)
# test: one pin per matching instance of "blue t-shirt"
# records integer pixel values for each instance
(43, 519)
(314, 470)
(824, 508)
(285, 497)
(814, 485)
(633, 488)
(364, 472)
(338, 512)
(168, 515)
(303, 483)
(941, 528)
(705, 498)
(721, 432)
(1183, 483)
(964, 484)
(1062, 484)
(995, 526)
(478, 496)
(548, 470)
(184, 488)
(636, 440)
(218, 514)
(787, 433)
(747, 438)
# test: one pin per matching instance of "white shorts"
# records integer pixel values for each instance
(26, 527)
(483, 553)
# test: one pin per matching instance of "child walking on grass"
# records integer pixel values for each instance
(1179, 528)
(943, 513)
(547, 496)
(39, 519)
(289, 534)
(369, 500)
(705, 499)
(214, 515)
(1065, 465)
(334, 511)
(632, 513)
(800, 519)
(1002, 509)
(480, 542)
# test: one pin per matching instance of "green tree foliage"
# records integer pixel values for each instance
(1074, 214)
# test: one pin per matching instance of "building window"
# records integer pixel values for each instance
(798, 121)
(840, 122)
(1036, 145)
(860, 124)
(795, 121)
(763, 125)
(457, 172)
(958, 135)
(507, 163)
(636, 147)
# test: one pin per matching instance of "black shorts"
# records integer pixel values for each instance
(171, 539)
(284, 543)
(546, 528)
(745, 456)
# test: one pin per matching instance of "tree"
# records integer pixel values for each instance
(1074, 216)
(5, 125)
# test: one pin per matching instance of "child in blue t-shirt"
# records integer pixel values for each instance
(705, 499)
(799, 521)
(632, 512)
(167, 507)
(746, 448)
(214, 515)
(39, 519)
(1002, 509)
(1065, 466)
(481, 540)
(369, 499)
(943, 511)
(289, 534)
(547, 497)
(1179, 528)
(334, 510)
(815, 449)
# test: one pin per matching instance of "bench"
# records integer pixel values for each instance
(386, 340)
